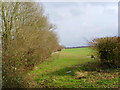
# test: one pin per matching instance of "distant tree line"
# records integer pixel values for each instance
(76, 47)
(28, 38)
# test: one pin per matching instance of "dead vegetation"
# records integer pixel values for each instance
(27, 39)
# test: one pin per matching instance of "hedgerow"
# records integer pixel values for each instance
(27, 40)
(108, 50)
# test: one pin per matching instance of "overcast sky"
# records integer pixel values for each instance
(77, 23)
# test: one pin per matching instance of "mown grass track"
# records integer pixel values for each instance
(66, 69)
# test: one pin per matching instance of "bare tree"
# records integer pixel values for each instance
(27, 37)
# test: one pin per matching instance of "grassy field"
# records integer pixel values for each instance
(71, 68)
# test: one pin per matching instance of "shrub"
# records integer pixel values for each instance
(108, 50)
(27, 40)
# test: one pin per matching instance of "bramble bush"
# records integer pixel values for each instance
(108, 50)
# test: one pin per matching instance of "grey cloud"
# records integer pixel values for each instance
(79, 22)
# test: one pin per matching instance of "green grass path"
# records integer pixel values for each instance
(59, 71)
(53, 72)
